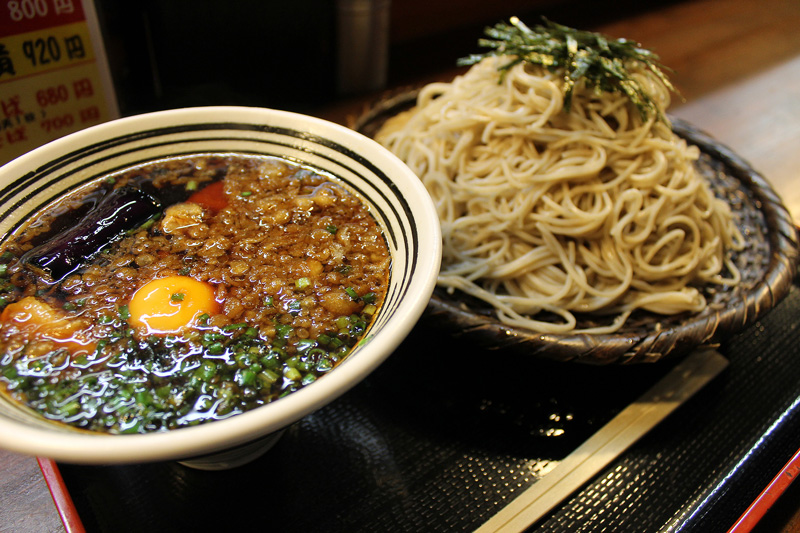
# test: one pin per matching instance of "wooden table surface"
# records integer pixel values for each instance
(737, 64)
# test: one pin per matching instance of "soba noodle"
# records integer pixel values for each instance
(595, 210)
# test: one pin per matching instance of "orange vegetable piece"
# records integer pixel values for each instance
(211, 196)
(36, 319)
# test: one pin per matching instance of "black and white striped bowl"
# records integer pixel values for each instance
(395, 196)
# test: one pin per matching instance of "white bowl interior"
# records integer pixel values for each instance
(395, 196)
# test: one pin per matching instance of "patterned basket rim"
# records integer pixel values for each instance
(649, 341)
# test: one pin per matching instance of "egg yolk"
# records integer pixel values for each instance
(170, 305)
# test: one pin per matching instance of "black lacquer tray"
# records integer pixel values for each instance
(448, 431)
(444, 434)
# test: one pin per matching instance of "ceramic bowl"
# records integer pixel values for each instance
(395, 196)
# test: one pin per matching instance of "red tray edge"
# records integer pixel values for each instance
(756, 511)
(61, 497)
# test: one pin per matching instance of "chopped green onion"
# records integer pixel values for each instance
(144, 398)
(292, 374)
(351, 293)
(332, 229)
(204, 403)
(245, 194)
(206, 371)
(243, 360)
(336, 342)
(131, 426)
(283, 330)
(271, 361)
(177, 297)
(302, 283)
(305, 344)
(369, 298)
(245, 377)
(216, 348)
(268, 377)
(147, 223)
(71, 409)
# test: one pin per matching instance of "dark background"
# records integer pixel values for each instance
(283, 54)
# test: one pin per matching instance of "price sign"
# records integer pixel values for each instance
(54, 77)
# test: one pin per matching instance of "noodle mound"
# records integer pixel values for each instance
(594, 210)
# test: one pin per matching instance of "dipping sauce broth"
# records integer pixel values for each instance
(188, 290)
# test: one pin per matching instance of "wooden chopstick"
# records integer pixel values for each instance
(680, 383)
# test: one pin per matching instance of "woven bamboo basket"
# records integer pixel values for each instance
(768, 265)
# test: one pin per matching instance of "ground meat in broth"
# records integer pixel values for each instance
(297, 266)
